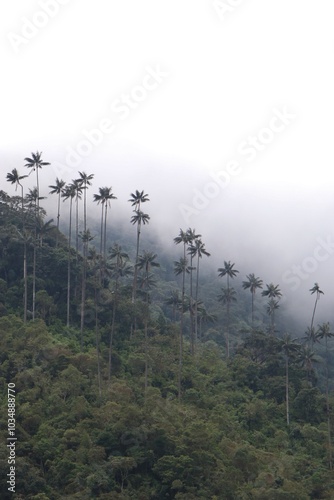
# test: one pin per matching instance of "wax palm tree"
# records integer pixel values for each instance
(325, 333)
(77, 187)
(252, 285)
(311, 337)
(58, 189)
(14, 178)
(191, 236)
(108, 196)
(272, 306)
(272, 292)
(43, 228)
(120, 268)
(145, 262)
(290, 347)
(69, 193)
(86, 238)
(36, 163)
(183, 238)
(307, 357)
(175, 301)
(204, 316)
(85, 181)
(229, 272)
(137, 198)
(181, 267)
(227, 297)
(100, 197)
(104, 196)
(33, 199)
(315, 289)
(197, 249)
(139, 219)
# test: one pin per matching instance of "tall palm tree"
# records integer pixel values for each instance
(325, 333)
(252, 284)
(184, 238)
(204, 317)
(120, 268)
(272, 306)
(229, 272)
(289, 347)
(174, 300)
(100, 197)
(140, 219)
(36, 163)
(43, 228)
(77, 187)
(85, 181)
(108, 196)
(227, 296)
(315, 289)
(33, 199)
(272, 292)
(104, 196)
(137, 198)
(307, 357)
(191, 236)
(146, 261)
(197, 248)
(14, 178)
(86, 238)
(58, 189)
(181, 267)
(69, 193)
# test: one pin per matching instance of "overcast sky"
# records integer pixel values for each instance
(221, 110)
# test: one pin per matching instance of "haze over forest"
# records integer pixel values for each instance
(186, 93)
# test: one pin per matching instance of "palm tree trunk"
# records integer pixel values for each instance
(181, 337)
(58, 217)
(196, 300)
(97, 341)
(34, 265)
(83, 296)
(69, 268)
(25, 274)
(135, 278)
(101, 243)
(134, 288)
(112, 328)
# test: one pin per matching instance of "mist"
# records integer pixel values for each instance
(225, 121)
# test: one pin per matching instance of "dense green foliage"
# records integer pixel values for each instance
(135, 402)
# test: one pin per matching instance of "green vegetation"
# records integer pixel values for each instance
(134, 383)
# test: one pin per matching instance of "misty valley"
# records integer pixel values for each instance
(135, 370)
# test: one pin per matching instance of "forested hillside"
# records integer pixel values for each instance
(139, 376)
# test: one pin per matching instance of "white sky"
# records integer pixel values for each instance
(226, 75)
